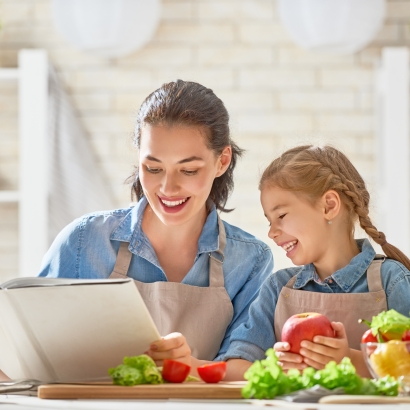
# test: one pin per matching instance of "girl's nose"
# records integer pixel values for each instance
(273, 232)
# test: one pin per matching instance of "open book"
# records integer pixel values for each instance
(66, 330)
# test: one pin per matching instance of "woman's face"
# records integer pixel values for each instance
(177, 170)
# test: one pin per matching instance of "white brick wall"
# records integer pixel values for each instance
(278, 95)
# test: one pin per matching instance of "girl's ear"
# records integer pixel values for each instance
(331, 204)
(224, 160)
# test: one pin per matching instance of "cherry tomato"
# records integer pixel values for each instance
(368, 336)
(174, 371)
(212, 372)
(406, 336)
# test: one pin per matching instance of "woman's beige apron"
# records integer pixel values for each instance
(201, 314)
(347, 308)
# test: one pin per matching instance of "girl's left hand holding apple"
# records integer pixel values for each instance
(173, 346)
(325, 349)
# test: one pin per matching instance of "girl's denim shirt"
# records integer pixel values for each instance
(87, 248)
(250, 340)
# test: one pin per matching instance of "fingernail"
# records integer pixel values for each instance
(153, 347)
(303, 344)
(286, 345)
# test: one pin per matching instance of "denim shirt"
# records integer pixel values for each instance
(250, 340)
(87, 248)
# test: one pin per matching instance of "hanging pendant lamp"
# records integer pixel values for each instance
(107, 28)
(332, 26)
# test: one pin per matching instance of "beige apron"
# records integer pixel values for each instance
(201, 314)
(347, 308)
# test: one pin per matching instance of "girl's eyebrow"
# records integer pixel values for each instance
(275, 208)
(183, 161)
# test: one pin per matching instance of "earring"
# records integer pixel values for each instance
(329, 222)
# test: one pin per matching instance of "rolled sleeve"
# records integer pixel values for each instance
(243, 300)
(251, 339)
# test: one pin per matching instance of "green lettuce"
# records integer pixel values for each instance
(136, 370)
(390, 321)
(266, 379)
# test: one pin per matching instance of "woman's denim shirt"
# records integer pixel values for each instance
(88, 247)
(250, 340)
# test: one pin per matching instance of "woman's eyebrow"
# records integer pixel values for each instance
(193, 158)
(183, 161)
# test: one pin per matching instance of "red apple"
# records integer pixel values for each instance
(305, 326)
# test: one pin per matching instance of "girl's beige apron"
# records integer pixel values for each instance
(347, 308)
(201, 314)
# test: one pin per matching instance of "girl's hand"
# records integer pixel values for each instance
(324, 349)
(173, 346)
(288, 360)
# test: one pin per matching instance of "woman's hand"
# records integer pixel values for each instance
(288, 360)
(324, 349)
(173, 346)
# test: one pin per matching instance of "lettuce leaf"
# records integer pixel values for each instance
(390, 321)
(136, 370)
(266, 379)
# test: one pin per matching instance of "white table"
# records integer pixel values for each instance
(19, 402)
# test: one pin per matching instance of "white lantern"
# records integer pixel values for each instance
(107, 28)
(334, 26)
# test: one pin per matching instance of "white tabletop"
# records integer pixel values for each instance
(19, 402)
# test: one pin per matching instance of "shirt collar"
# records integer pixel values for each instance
(346, 277)
(130, 228)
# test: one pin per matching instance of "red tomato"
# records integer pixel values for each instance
(406, 336)
(175, 372)
(212, 372)
(368, 336)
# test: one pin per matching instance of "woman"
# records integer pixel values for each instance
(197, 274)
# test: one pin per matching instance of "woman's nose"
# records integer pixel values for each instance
(170, 185)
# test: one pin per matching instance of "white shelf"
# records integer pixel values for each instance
(8, 74)
(9, 196)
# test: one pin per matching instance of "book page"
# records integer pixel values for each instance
(40, 281)
(79, 332)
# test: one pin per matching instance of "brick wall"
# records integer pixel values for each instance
(278, 95)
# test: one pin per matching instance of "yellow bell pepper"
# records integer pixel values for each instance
(391, 358)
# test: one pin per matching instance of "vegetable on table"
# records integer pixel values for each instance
(391, 358)
(266, 379)
(136, 370)
(389, 325)
(212, 372)
(174, 371)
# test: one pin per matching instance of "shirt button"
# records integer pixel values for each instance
(330, 281)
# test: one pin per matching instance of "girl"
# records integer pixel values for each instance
(183, 258)
(312, 197)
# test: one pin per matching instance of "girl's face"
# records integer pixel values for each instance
(295, 225)
(177, 170)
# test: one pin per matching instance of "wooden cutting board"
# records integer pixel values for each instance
(228, 390)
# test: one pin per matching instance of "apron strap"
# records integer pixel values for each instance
(123, 261)
(291, 282)
(374, 274)
(216, 259)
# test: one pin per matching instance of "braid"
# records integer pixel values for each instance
(314, 171)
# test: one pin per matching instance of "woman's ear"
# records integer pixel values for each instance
(224, 160)
(331, 204)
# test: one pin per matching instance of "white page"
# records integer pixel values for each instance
(30, 281)
(78, 332)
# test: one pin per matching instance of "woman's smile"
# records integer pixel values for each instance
(173, 205)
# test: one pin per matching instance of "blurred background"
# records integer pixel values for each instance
(74, 73)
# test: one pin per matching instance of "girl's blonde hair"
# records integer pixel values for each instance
(312, 171)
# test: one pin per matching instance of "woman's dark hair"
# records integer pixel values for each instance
(186, 103)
